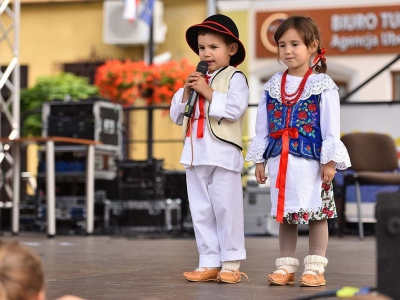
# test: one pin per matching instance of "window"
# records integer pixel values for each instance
(343, 91)
(23, 76)
(85, 69)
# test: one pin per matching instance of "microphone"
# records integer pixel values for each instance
(202, 67)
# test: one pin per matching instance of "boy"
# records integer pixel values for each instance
(212, 148)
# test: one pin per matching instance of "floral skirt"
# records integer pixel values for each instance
(327, 211)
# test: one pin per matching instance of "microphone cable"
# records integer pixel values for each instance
(344, 292)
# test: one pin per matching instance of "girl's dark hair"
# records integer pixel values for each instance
(307, 29)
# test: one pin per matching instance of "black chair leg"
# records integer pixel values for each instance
(342, 213)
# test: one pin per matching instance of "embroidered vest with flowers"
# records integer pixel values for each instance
(304, 116)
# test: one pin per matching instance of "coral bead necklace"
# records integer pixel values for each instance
(294, 97)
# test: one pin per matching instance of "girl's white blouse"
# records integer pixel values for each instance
(303, 179)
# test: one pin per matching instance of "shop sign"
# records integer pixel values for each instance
(362, 30)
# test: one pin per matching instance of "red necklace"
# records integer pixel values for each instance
(296, 95)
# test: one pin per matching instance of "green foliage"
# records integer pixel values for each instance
(61, 86)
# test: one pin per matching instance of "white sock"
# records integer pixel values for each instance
(315, 263)
(231, 265)
(290, 264)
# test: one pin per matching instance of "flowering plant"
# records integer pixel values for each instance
(124, 81)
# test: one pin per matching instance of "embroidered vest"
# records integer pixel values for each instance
(305, 116)
(227, 131)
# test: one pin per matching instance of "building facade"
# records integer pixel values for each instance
(361, 38)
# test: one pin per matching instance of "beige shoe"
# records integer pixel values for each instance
(315, 279)
(313, 274)
(206, 275)
(231, 276)
(281, 279)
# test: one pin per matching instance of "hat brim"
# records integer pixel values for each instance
(192, 40)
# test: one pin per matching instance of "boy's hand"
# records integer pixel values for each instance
(198, 83)
(190, 83)
(260, 173)
(328, 172)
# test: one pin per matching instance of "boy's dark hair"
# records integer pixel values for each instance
(227, 39)
(307, 29)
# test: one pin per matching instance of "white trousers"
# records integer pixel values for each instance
(216, 205)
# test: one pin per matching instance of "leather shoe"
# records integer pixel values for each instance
(206, 275)
(281, 279)
(316, 279)
(231, 276)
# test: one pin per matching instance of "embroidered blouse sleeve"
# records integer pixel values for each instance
(260, 141)
(232, 105)
(332, 147)
(177, 107)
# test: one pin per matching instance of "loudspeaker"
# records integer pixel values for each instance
(93, 119)
(388, 243)
(176, 188)
(141, 179)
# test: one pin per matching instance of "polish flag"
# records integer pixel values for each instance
(130, 10)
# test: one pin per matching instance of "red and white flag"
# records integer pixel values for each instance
(131, 10)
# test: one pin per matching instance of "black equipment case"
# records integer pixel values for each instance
(93, 119)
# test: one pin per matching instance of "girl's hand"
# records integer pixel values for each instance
(260, 173)
(328, 172)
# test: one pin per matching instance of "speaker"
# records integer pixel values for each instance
(140, 179)
(93, 119)
(388, 243)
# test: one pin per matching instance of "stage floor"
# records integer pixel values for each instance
(150, 266)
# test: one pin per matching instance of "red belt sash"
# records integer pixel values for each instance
(281, 179)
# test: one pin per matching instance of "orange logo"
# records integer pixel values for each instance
(268, 29)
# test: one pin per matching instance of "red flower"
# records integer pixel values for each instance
(330, 214)
(302, 115)
(123, 82)
(312, 107)
(270, 106)
(325, 211)
(295, 217)
(272, 126)
(305, 216)
(277, 114)
(326, 187)
(307, 128)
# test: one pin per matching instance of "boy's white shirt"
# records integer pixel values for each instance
(209, 150)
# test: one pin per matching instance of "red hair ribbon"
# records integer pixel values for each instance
(320, 56)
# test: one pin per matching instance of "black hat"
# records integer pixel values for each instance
(221, 24)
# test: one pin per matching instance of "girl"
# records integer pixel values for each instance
(298, 137)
